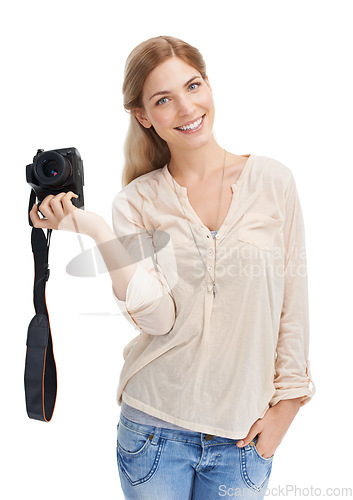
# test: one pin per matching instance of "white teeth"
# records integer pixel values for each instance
(191, 126)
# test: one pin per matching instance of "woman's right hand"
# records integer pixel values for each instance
(61, 214)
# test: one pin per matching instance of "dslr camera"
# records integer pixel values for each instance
(54, 172)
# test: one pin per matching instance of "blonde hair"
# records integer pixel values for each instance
(144, 149)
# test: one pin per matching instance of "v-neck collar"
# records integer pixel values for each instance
(182, 194)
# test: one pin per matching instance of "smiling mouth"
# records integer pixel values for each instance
(193, 126)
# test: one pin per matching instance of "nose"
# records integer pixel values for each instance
(186, 106)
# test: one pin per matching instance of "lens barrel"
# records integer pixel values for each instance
(52, 169)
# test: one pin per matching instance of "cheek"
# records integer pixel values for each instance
(208, 101)
(162, 120)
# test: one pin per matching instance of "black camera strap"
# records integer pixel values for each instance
(40, 369)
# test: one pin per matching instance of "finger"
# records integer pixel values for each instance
(48, 198)
(45, 207)
(37, 221)
(67, 203)
(36, 211)
(56, 205)
(245, 441)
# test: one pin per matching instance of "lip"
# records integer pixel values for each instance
(192, 121)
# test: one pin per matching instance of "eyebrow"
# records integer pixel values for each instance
(162, 92)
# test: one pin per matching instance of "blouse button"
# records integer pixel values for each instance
(210, 252)
(217, 236)
(210, 268)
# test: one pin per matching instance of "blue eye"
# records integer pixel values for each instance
(163, 100)
(159, 102)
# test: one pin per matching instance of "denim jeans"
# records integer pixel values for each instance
(165, 464)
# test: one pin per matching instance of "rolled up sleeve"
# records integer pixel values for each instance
(149, 304)
(292, 367)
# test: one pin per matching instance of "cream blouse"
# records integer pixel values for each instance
(215, 364)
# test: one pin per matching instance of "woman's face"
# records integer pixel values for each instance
(175, 95)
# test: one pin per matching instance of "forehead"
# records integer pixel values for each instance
(168, 75)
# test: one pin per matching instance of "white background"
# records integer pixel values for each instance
(282, 83)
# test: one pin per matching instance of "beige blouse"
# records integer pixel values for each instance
(215, 364)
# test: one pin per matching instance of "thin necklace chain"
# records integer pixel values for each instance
(215, 245)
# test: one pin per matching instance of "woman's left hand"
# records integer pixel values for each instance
(272, 427)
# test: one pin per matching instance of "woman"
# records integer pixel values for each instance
(207, 261)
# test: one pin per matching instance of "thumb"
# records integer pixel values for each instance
(245, 441)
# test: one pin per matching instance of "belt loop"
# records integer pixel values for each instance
(156, 434)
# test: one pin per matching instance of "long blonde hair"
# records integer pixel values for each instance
(144, 149)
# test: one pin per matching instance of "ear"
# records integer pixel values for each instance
(206, 80)
(141, 117)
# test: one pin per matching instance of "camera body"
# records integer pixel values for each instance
(56, 171)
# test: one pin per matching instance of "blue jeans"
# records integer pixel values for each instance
(164, 464)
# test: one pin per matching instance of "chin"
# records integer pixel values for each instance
(201, 141)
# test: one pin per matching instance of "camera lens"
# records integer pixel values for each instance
(52, 169)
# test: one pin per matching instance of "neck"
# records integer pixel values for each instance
(196, 165)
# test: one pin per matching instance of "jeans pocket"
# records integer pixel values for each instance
(137, 456)
(258, 454)
(131, 441)
(255, 468)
